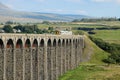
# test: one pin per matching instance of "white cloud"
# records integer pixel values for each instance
(66, 11)
(118, 1)
(10, 6)
(40, 0)
(102, 0)
(81, 12)
(75, 1)
(114, 1)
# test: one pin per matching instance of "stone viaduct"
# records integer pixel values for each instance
(38, 57)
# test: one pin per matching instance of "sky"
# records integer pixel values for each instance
(93, 8)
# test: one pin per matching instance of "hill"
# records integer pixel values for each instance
(7, 14)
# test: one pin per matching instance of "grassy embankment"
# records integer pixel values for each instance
(95, 69)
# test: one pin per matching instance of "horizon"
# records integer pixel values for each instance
(93, 8)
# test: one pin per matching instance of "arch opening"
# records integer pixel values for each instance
(74, 41)
(1, 44)
(19, 43)
(10, 43)
(27, 43)
(67, 42)
(42, 43)
(63, 42)
(59, 42)
(49, 57)
(54, 42)
(49, 43)
(35, 43)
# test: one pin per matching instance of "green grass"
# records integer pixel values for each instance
(84, 72)
(112, 36)
(88, 69)
(94, 69)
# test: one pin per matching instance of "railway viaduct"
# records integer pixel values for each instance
(38, 57)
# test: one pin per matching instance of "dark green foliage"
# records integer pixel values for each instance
(113, 49)
(76, 20)
(92, 32)
(119, 19)
(45, 22)
(30, 29)
(8, 29)
(50, 28)
(95, 19)
(9, 22)
(19, 27)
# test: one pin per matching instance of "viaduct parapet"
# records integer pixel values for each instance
(38, 57)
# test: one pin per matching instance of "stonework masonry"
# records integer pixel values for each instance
(38, 56)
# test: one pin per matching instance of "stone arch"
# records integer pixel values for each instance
(53, 59)
(54, 43)
(19, 43)
(49, 45)
(70, 54)
(70, 41)
(27, 43)
(67, 54)
(59, 58)
(67, 41)
(1, 59)
(63, 55)
(42, 43)
(73, 41)
(63, 42)
(35, 43)
(19, 59)
(9, 59)
(76, 40)
(10, 44)
(59, 42)
(74, 53)
(35, 59)
(27, 56)
(41, 59)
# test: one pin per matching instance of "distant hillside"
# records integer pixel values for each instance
(7, 14)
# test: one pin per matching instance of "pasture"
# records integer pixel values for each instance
(111, 36)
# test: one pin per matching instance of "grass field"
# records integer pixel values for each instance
(93, 72)
(112, 36)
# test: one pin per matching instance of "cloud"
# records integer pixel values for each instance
(102, 0)
(118, 1)
(75, 1)
(82, 12)
(113, 1)
(40, 0)
(10, 6)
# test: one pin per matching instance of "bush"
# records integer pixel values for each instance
(8, 29)
(113, 49)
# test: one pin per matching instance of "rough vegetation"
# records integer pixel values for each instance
(113, 49)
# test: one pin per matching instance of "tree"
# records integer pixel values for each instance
(8, 29)
(119, 19)
(9, 22)
(45, 22)
(19, 27)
